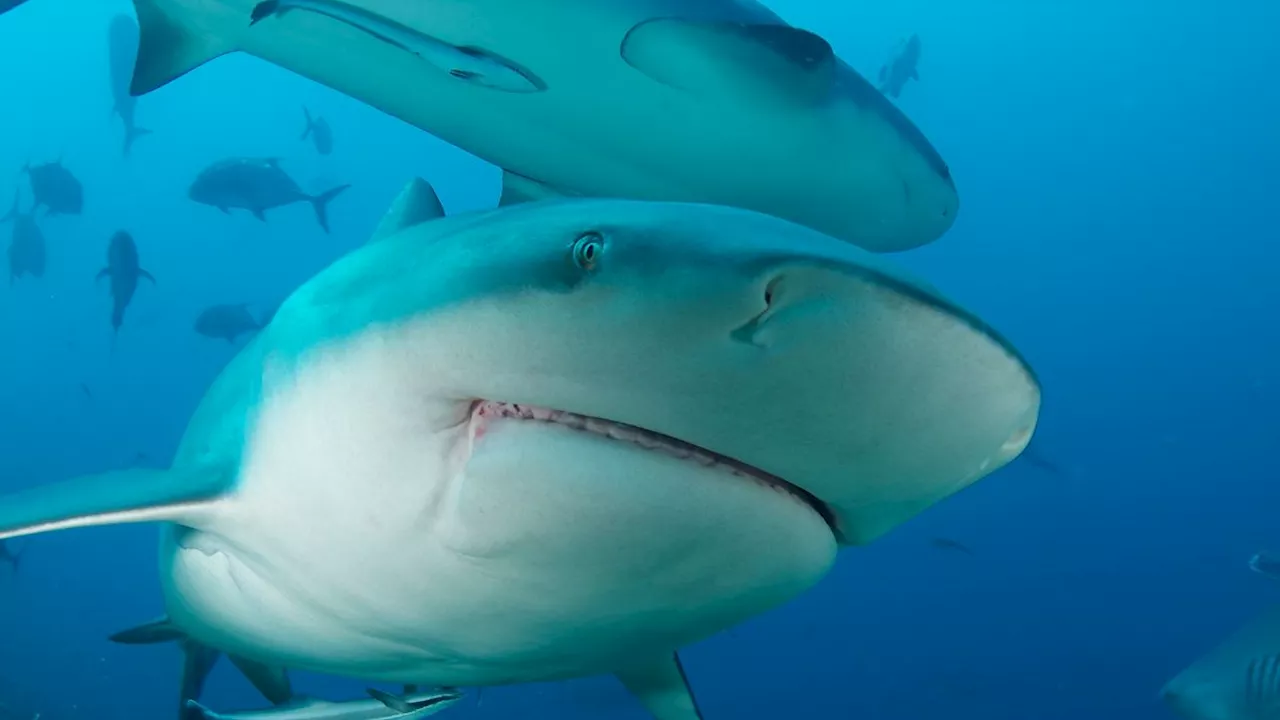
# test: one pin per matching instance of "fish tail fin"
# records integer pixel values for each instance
(321, 204)
(173, 40)
(132, 133)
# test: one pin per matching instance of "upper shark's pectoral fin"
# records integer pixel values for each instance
(171, 45)
(198, 660)
(765, 62)
(270, 680)
(124, 496)
(662, 687)
(517, 188)
(159, 630)
(417, 203)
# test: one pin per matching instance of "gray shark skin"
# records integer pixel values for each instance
(895, 74)
(715, 101)
(256, 185)
(55, 188)
(226, 322)
(1237, 680)
(498, 447)
(27, 254)
(319, 131)
(122, 50)
(124, 272)
(382, 706)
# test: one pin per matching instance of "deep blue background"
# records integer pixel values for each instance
(1117, 165)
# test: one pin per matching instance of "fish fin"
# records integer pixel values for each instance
(144, 274)
(131, 134)
(264, 10)
(198, 660)
(394, 702)
(259, 213)
(417, 203)
(104, 272)
(225, 210)
(517, 188)
(321, 205)
(170, 45)
(765, 62)
(159, 630)
(663, 688)
(270, 680)
(178, 495)
(310, 123)
(193, 710)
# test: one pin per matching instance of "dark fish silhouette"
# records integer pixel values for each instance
(226, 322)
(256, 185)
(319, 131)
(9, 556)
(123, 270)
(895, 74)
(56, 188)
(1265, 564)
(122, 49)
(26, 247)
(948, 544)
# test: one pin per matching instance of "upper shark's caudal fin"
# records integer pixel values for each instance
(131, 133)
(321, 204)
(767, 63)
(124, 496)
(517, 188)
(272, 682)
(172, 42)
(417, 203)
(662, 687)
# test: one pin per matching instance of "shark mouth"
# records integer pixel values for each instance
(490, 410)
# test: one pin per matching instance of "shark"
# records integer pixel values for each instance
(718, 101)
(560, 438)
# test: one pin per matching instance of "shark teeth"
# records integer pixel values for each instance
(487, 410)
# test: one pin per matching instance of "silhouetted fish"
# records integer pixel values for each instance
(895, 74)
(123, 270)
(320, 133)
(948, 544)
(122, 48)
(226, 322)
(56, 188)
(26, 247)
(256, 185)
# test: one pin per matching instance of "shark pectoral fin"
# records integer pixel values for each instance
(259, 213)
(124, 496)
(417, 203)
(270, 680)
(104, 272)
(766, 62)
(197, 662)
(169, 46)
(144, 274)
(517, 188)
(192, 710)
(662, 687)
(157, 631)
(393, 702)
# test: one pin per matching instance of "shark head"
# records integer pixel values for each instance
(558, 438)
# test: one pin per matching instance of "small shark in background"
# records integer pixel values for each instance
(226, 322)
(122, 49)
(26, 248)
(123, 270)
(9, 556)
(319, 131)
(256, 185)
(903, 67)
(943, 543)
(1265, 564)
(1237, 680)
(56, 188)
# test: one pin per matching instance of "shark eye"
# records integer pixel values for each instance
(587, 249)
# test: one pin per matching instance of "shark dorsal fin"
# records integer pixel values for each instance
(417, 203)
(168, 47)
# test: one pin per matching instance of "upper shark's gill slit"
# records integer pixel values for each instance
(483, 410)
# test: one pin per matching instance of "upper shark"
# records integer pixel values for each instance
(556, 439)
(717, 101)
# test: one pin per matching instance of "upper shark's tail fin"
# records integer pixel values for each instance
(131, 133)
(174, 39)
(321, 204)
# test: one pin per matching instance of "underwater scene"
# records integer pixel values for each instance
(639, 360)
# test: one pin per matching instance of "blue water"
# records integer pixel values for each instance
(1117, 166)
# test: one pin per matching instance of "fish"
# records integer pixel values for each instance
(9, 556)
(319, 131)
(379, 485)
(903, 67)
(226, 322)
(27, 253)
(1237, 680)
(948, 544)
(718, 101)
(382, 706)
(198, 661)
(124, 272)
(1265, 564)
(55, 188)
(256, 185)
(122, 50)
